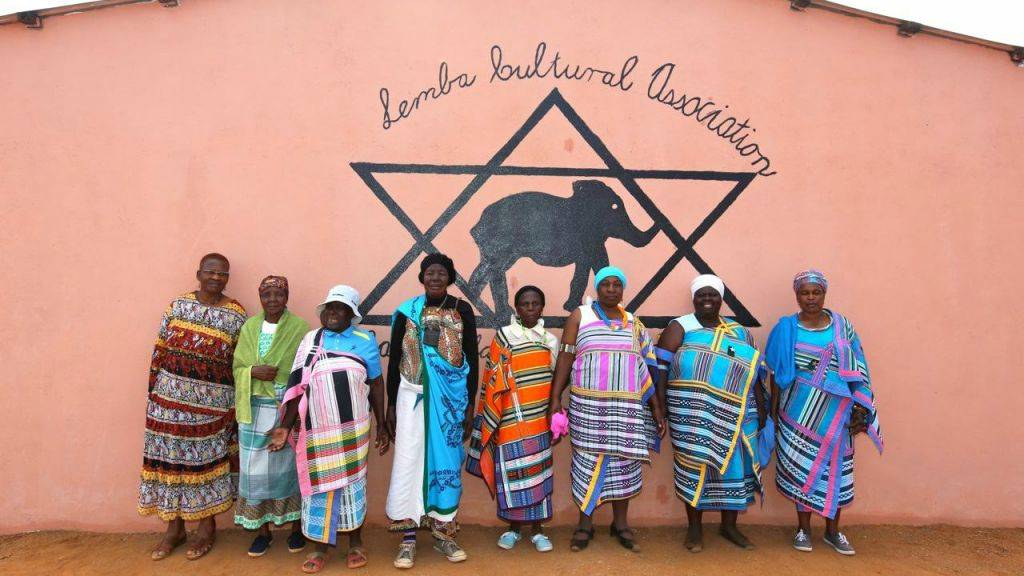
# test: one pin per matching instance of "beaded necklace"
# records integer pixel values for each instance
(528, 333)
(607, 321)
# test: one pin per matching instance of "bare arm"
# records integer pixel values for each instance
(563, 365)
(279, 435)
(379, 406)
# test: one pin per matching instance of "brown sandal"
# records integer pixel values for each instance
(201, 548)
(356, 557)
(163, 550)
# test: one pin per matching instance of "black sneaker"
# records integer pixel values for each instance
(296, 542)
(260, 546)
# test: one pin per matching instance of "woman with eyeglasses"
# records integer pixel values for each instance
(190, 424)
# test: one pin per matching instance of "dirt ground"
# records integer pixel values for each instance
(887, 550)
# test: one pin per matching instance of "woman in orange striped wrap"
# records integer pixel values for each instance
(511, 443)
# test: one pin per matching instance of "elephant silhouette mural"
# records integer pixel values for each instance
(552, 231)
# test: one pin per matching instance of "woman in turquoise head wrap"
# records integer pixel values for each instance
(615, 417)
(606, 272)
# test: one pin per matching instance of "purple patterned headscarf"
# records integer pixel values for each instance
(273, 282)
(811, 276)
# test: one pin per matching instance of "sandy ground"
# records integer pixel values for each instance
(896, 550)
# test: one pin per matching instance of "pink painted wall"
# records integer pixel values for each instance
(135, 139)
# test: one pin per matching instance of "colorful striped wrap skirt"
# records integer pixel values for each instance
(712, 415)
(190, 442)
(332, 443)
(814, 447)
(611, 427)
(268, 486)
(510, 447)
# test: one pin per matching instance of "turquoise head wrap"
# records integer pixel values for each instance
(609, 271)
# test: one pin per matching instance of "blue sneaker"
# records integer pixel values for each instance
(296, 542)
(542, 543)
(260, 546)
(508, 540)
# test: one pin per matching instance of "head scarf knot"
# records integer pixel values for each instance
(810, 276)
(707, 281)
(609, 271)
(273, 282)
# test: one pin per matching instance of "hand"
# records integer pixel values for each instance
(278, 438)
(554, 407)
(383, 439)
(659, 419)
(858, 420)
(390, 422)
(264, 372)
(659, 415)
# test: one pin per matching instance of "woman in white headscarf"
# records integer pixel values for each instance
(710, 376)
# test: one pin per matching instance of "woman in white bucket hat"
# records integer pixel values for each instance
(335, 378)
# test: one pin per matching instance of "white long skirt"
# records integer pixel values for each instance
(405, 496)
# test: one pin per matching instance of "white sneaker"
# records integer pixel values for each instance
(451, 550)
(406, 557)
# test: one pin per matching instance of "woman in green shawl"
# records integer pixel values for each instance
(268, 486)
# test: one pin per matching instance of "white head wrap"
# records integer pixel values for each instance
(706, 280)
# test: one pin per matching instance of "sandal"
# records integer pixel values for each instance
(627, 543)
(201, 548)
(314, 562)
(577, 544)
(356, 557)
(162, 550)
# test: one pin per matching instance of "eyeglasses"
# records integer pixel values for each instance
(215, 273)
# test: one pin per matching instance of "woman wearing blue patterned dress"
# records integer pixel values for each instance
(824, 398)
(710, 377)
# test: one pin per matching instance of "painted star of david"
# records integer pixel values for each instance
(423, 240)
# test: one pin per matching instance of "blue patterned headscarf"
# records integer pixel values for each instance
(609, 271)
(811, 276)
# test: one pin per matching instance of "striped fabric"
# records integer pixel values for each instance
(524, 468)
(815, 451)
(609, 420)
(732, 490)
(334, 420)
(712, 415)
(327, 513)
(600, 478)
(186, 466)
(268, 489)
(510, 447)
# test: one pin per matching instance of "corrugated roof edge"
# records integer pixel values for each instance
(903, 27)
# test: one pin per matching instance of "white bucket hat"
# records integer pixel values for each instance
(346, 295)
